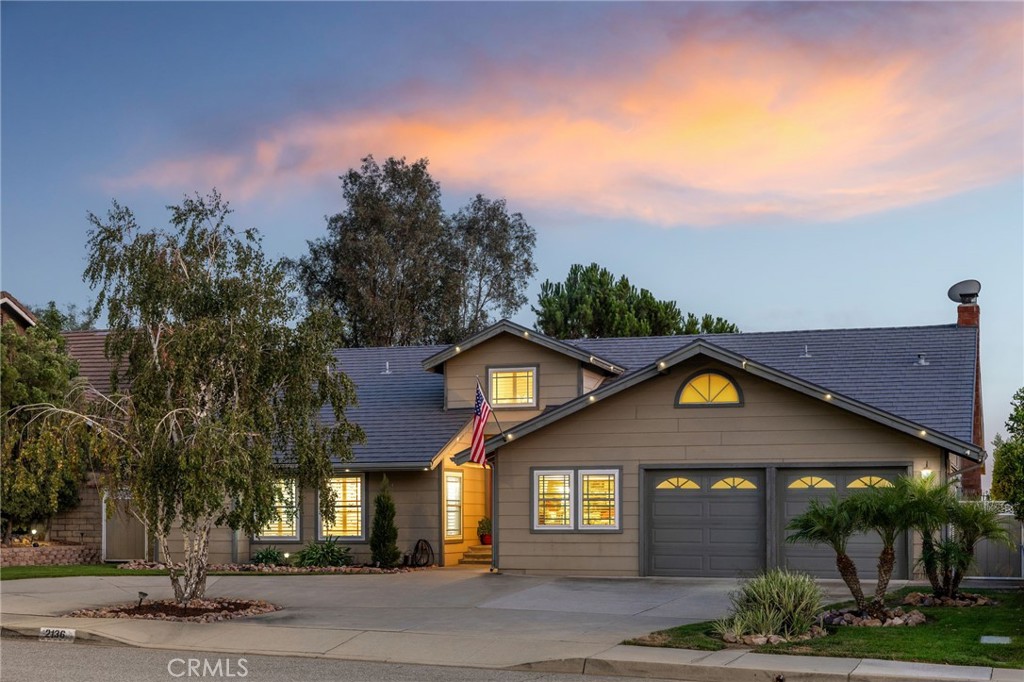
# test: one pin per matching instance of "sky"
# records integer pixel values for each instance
(783, 165)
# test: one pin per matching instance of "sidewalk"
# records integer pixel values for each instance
(518, 623)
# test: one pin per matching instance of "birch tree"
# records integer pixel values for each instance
(218, 381)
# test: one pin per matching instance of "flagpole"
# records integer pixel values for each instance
(478, 385)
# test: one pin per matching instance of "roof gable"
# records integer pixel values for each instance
(435, 361)
(703, 347)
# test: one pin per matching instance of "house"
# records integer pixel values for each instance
(664, 456)
(13, 310)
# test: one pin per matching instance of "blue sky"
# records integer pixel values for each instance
(784, 165)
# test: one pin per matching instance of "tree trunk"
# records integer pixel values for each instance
(886, 562)
(848, 571)
(197, 554)
(931, 564)
(46, 531)
(165, 554)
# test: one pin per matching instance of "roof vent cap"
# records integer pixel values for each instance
(921, 361)
(387, 367)
(807, 353)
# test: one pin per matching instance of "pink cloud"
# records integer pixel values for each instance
(703, 133)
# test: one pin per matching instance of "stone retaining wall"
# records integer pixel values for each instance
(49, 555)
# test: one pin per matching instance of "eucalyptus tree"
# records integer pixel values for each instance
(832, 523)
(226, 378)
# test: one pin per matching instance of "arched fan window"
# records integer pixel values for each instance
(811, 482)
(678, 483)
(734, 483)
(709, 389)
(871, 482)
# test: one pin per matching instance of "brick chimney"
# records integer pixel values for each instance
(968, 315)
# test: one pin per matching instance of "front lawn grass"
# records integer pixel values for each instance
(951, 635)
(26, 572)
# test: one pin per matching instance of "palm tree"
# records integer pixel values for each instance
(884, 510)
(929, 507)
(972, 521)
(831, 524)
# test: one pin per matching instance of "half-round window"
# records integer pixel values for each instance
(734, 483)
(709, 389)
(871, 482)
(811, 482)
(678, 483)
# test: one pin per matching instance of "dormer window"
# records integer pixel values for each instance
(512, 386)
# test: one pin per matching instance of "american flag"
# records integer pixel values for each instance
(481, 412)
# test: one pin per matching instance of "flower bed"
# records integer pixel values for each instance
(196, 611)
(270, 568)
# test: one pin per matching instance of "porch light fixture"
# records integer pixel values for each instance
(926, 472)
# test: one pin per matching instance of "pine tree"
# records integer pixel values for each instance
(384, 536)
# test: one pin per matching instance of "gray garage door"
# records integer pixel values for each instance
(705, 522)
(797, 486)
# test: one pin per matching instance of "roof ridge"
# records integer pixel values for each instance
(760, 333)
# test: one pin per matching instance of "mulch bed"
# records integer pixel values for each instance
(271, 568)
(196, 611)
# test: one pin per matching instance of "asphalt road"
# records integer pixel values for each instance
(26, 660)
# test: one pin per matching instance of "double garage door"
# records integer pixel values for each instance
(724, 522)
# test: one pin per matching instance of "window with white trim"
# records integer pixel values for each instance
(512, 387)
(285, 524)
(583, 499)
(347, 520)
(453, 505)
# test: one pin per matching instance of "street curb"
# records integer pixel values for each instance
(85, 636)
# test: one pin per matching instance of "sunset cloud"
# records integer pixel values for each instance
(708, 126)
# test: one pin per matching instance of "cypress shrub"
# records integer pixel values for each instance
(384, 550)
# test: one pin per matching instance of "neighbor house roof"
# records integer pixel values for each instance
(19, 309)
(877, 373)
(87, 348)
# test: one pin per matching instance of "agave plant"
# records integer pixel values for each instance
(832, 523)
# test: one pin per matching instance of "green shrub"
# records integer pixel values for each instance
(271, 556)
(384, 550)
(325, 553)
(776, 602)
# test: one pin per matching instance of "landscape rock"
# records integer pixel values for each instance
(776, 639)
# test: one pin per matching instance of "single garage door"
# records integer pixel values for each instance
(797, 486)
(703, 522)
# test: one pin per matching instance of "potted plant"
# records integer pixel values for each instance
(483, 529)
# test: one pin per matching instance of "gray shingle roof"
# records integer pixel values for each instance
(400, 412)
(874, 366)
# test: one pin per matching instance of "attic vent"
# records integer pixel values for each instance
(921, 361)
(387, 367)
(807, 353)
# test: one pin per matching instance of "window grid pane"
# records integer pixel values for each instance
(598, 500)
(348, 508)
(512, 388)
(453, 506)
(554, 500)
(286, 523)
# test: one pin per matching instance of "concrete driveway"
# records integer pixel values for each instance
(433, 601)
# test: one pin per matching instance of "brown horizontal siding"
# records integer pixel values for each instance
(557, 375)
(641, 425)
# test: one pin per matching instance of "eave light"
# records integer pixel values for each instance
(923, 433)
(828, 396)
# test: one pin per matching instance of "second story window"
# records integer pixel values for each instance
(513, 387)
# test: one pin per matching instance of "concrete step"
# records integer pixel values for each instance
(475, 562)
(477, 555)
(480, 548)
